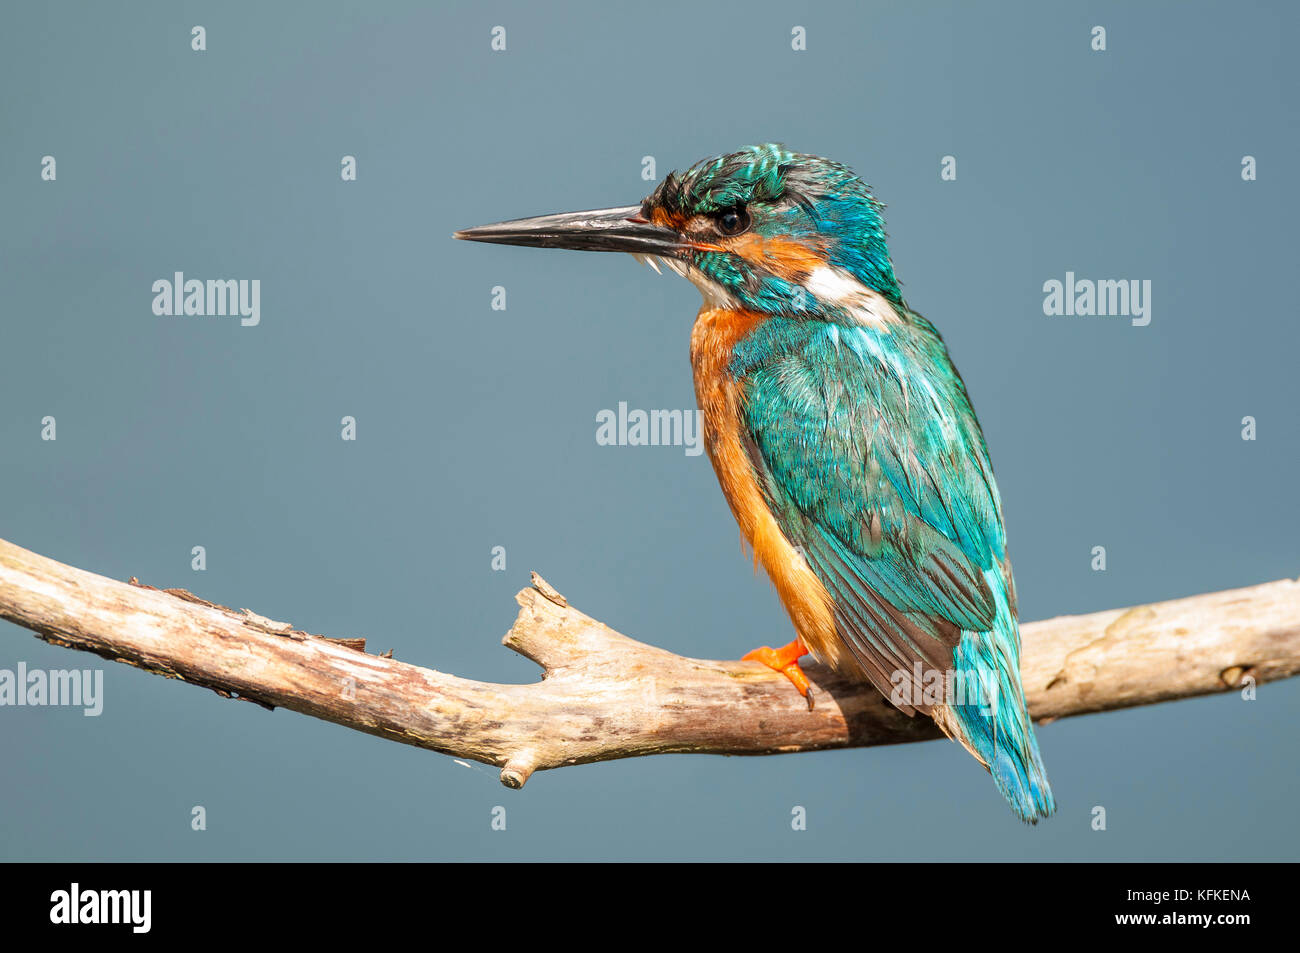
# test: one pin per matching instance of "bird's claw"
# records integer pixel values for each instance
(786, 661)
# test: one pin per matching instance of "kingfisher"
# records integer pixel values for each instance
(843, 438)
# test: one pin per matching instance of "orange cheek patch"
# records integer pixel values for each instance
(785, 257)
(666, 219)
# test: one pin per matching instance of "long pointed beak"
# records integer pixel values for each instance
(606, 229)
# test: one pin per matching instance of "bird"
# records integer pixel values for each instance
(843, 438)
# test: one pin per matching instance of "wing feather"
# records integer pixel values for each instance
(871, 459)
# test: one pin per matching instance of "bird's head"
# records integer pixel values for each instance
(763, 229)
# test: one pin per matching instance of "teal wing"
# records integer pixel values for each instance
(872, 461)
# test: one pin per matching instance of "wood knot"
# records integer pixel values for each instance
(517, 771)
(1233, 675)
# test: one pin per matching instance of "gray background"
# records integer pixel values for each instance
(476, 427)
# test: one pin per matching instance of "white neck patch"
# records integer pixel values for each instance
(868, 308)
(827, 284)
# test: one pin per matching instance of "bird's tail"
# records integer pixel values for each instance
(989, 716)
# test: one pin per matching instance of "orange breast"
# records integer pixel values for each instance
(715, 335)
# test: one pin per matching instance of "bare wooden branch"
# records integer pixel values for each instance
(605, 696)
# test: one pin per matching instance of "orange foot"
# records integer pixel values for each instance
(786, 661)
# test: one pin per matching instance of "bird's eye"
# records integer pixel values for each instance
(733, 221)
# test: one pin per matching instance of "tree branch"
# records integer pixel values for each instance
(605, 696)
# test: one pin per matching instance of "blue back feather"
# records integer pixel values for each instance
(873, 462)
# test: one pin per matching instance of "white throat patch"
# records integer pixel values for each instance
(715, 296)
(827, 284)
